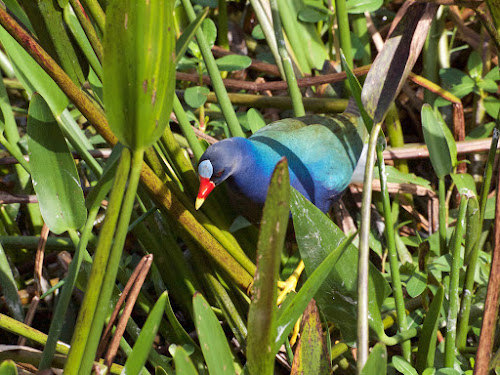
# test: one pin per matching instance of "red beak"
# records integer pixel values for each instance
(206, 186)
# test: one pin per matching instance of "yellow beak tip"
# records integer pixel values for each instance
(198, 203)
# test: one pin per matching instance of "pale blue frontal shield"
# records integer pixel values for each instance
(205, 169)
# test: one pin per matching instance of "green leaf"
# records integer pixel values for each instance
(488, 85)
(492, 106)
(231, 63)
(311, 356)
(377, 361)
(457, 82)
(427, 339)
(263, 309)
(144, 343)
(139, 80)
(473, 230)
(317, 236)
(396, 176)
(475, 65)
(402, 366)
(439, 141)
(53, 171)
(313, 14)
(212, 338)
(8, 367)
(481, 131)
(183, 364)
(493, 74)
(255, 120)
(361, 6)
(464, 182)
(292, 311)
(8, 288)
(196, 96)
(416, 284)
(32, 76)
(258, 33)
(188, 35)
(47, 20)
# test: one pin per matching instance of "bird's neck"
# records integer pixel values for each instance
(252, 176)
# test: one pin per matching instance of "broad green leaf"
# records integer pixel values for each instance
(427, 338)
(291, 310)
(53, 171)
(196, 96)
(439, 141)
(144, 343)
(212, 338)
(255, 120)
(492, 106)
(416, 284)
(487, 85)
(317, 236)
(231, 63)
(8, 367)
(311, 356)
(313, 14)
(377, 361)
(402, 366)
(475, 65)
(183, 364)
(188, 35)
(482, 131)
(8, 288)
(263, 309)
(464, 182)
(139, 70)
(448, 371)
(361, 6)
(258, 33)
(390, 70)
(457, 82)
(493, 74)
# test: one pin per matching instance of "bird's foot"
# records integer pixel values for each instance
(290, 284)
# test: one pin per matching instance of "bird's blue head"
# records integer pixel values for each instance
(218, 163)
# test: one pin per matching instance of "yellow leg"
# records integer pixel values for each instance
(291, 283)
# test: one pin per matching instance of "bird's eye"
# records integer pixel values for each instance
(218, 174)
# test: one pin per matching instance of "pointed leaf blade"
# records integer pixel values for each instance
(53, 171)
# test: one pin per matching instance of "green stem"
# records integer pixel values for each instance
(88, 309)
(397, 290)
(222, 25)
(344, 31)
(87, 26)
(213, 71)
(15, 152)
(186, 129)
(431, 59)
(451, 322)
(361, 30)
(267, 28)
(293, 88)
(97, 14)
(113, 263)
(442, 216)
(463, 326)
(364, 251)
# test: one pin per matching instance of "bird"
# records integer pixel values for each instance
(322, 153)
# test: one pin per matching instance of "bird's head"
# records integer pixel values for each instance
(216, 165)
